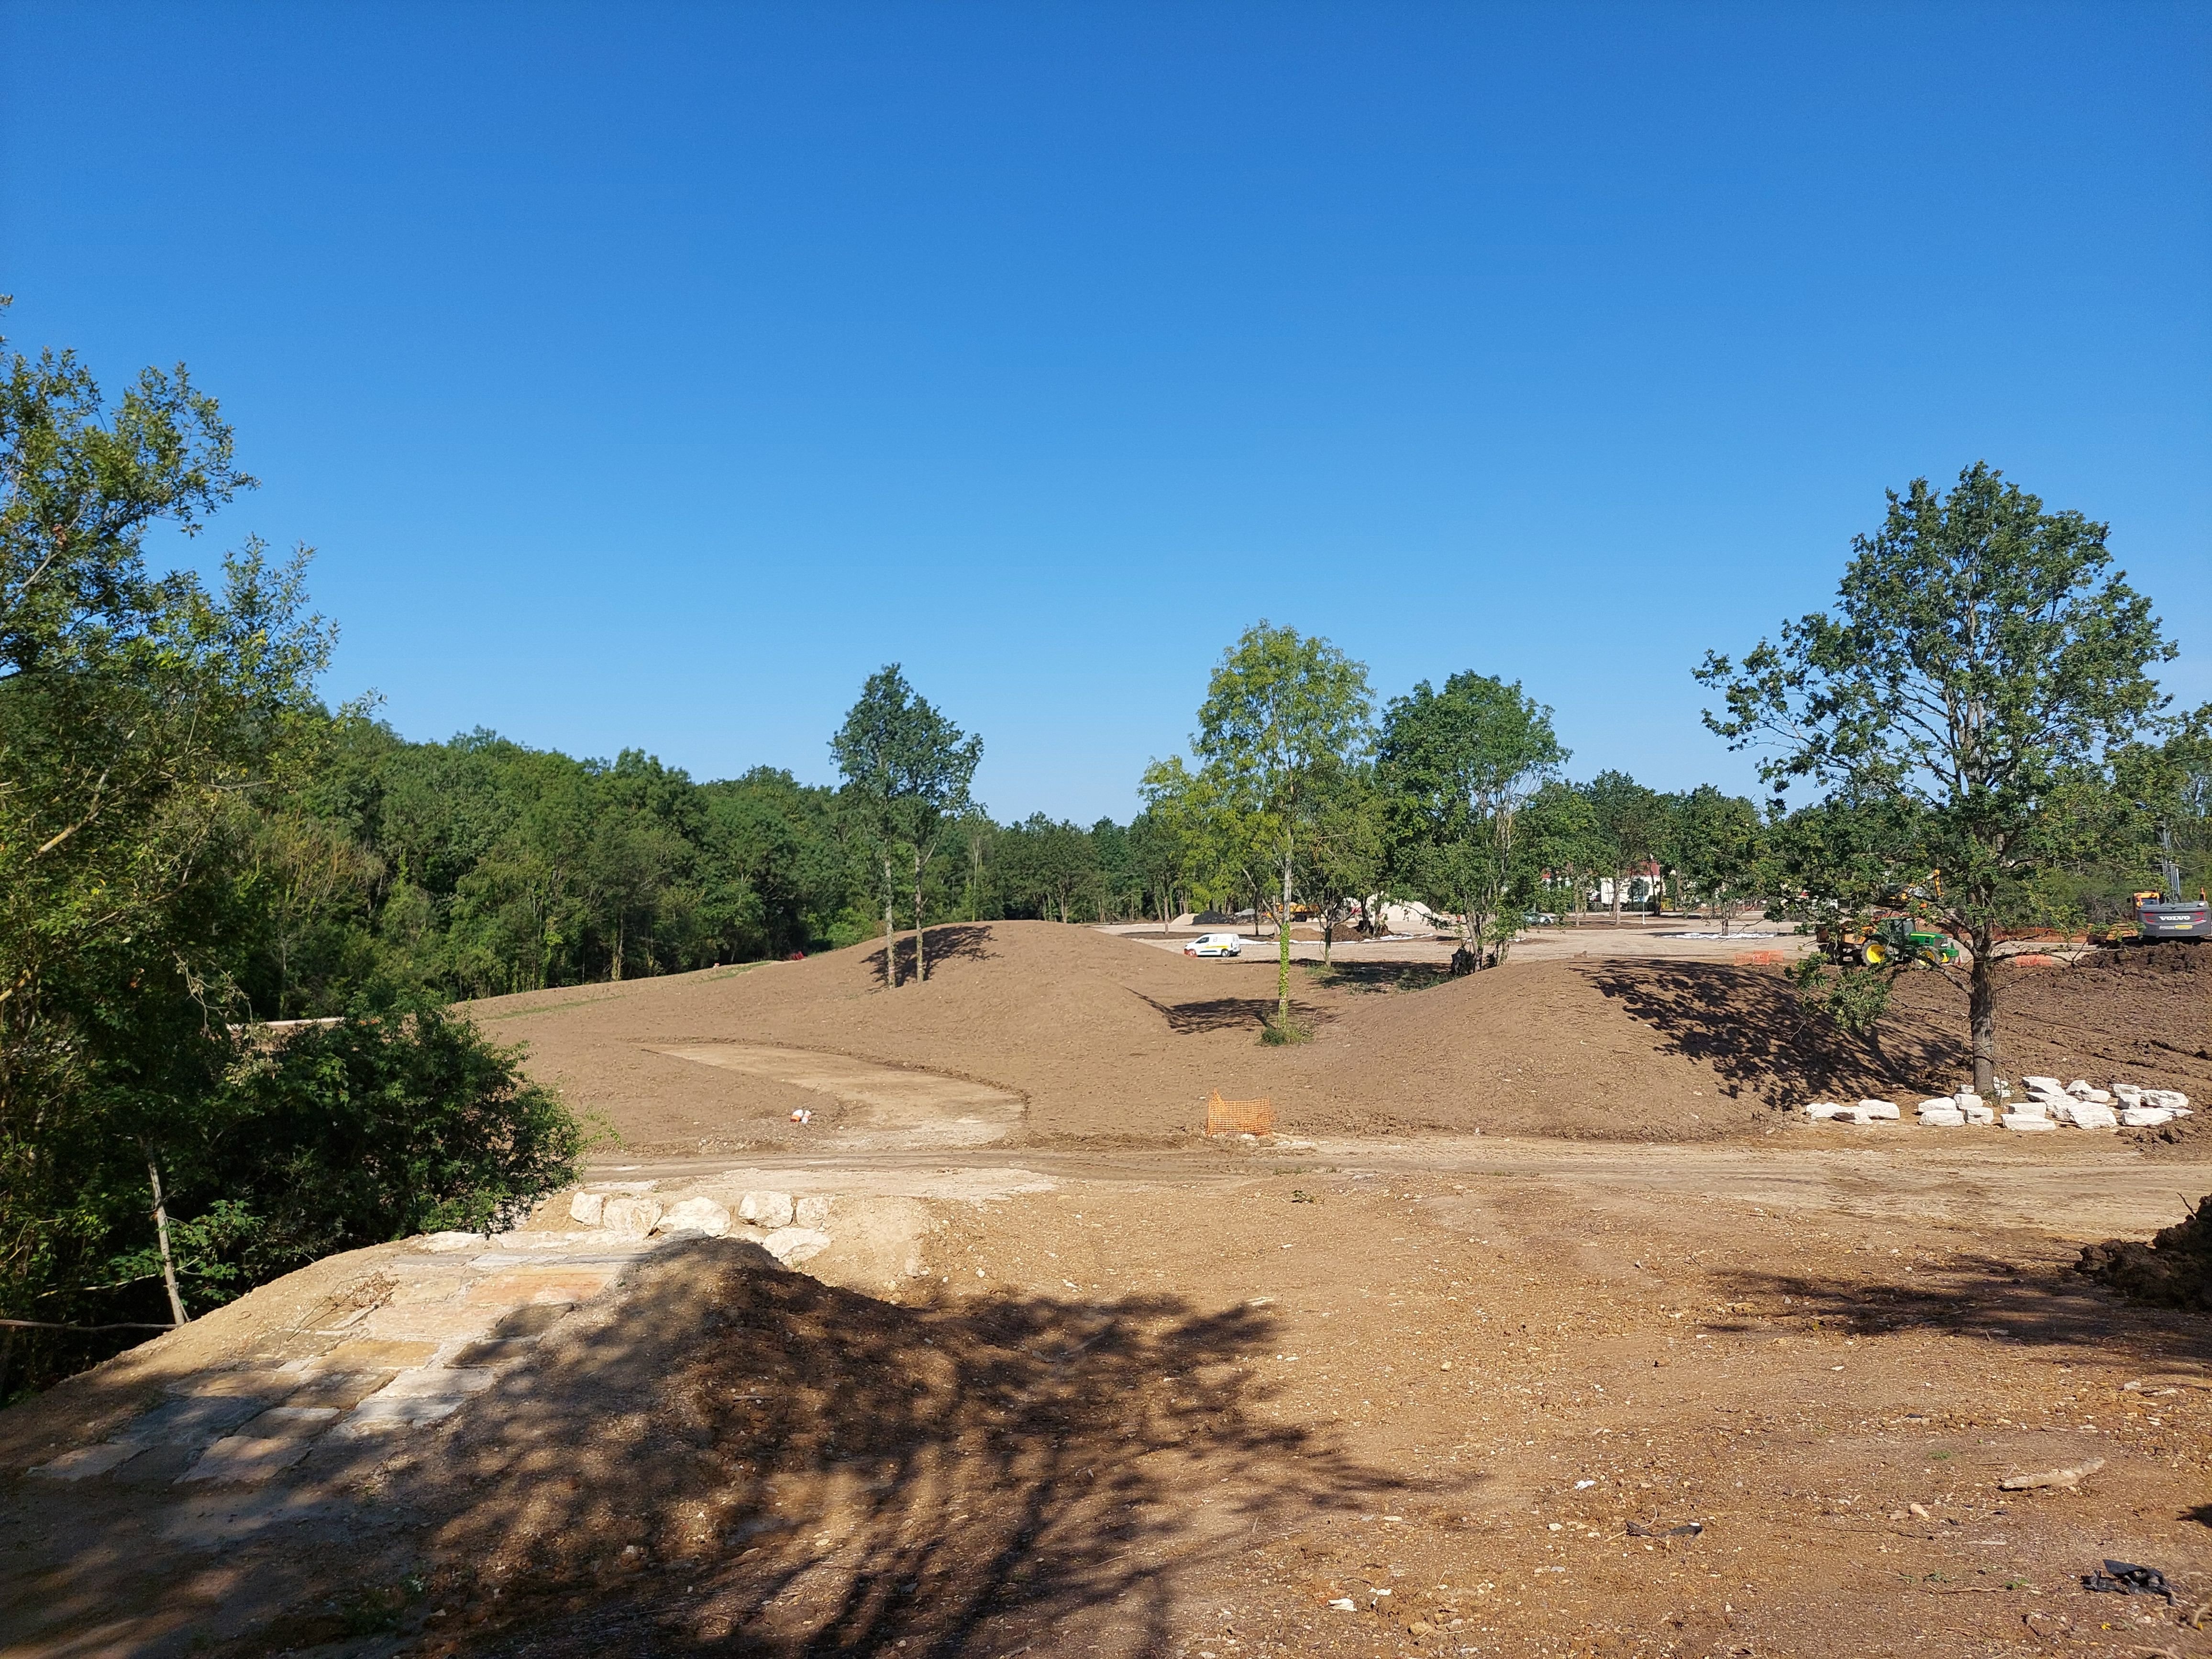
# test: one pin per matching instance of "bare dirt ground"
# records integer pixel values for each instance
(1593, 1381)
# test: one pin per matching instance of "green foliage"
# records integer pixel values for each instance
(1716, 846)
(1459, 765)
(906, 771)
(1283, 714)
(1854, 998)
(1966, 699)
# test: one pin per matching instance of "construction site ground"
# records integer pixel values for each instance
(1540, 1327)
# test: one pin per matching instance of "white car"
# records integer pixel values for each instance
(1215, 944)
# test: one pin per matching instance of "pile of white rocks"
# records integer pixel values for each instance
(2124, 1105)
(790, 1229)
(2048, 1105)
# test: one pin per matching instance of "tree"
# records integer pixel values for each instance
(1345, 851)
(1461, 764)
(1714, 842)
(1983, 657)
(907, 770)
(1281, 711)
(1629, 821)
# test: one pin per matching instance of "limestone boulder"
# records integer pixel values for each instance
(811, 1211)
(793, 1245)
(588, 1209)
(696, 1215)
(2027, 1122)
(1984, 1116)
(1941, 1116)
(2173, 1099)
(770, 1210)
(1868, 1110)
(633, 1218)
(2145, 1117)
(2090, 1114)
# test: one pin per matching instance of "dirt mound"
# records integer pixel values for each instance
(2174, 1270)
(1106, 1037)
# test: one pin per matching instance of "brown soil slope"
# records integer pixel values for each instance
(1104, 1037)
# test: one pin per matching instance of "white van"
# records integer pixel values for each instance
(1215, 944)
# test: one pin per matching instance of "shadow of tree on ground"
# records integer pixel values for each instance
(1750, 1027)
(948, 941)
(745, 1460)
(1373, 977)
(2045, 1304)
(1228, 1013)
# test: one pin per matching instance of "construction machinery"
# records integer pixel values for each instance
(2164, 913)
(1893, 936)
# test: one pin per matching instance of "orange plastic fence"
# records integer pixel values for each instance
(1762, 958)
(1239, 1117)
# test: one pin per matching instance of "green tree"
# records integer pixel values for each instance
(1715, 842)
(1460, 764)
(1629, 822)
(1982, 656)
(1344, 854)
(1282, 712)
(907, 772)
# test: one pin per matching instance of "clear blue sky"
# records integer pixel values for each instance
(648, 376)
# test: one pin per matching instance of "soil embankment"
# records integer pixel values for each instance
(1104, 1039)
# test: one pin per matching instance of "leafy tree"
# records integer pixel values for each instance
(1715, 841)
(1047, 866)
(1629, 821)
(1981, 657)
(1559, 834)
(1282, 713)
(1344, 855)
(907, 772)
(1461, 763)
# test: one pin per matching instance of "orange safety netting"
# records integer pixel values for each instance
(1239, 1117)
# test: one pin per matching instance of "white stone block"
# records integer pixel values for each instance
(1966, 1100)
(1873, 1109)
(811, 1211)
(2043, 1084)
(2088, 1114)
(2145, 1117)
(588, 1209)
(2099, 1097)
(2039, 1108)
(793, 1245)
(2173, 1099)
(2080, 1088)
(2128, 1094)
(2027, 1122)
(697, 1215)
(636, 1217)
(1946, 1116)
(1981, 1115)
(770, 1210)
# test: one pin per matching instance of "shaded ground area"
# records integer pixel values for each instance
(1106, 1038)
(1194, 1417)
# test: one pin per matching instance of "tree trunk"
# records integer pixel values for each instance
(618, 945)
(1283, 946)
(921, 952)
(162, 1234)
(891, 943)
(1982, 1015)
(1619, 886)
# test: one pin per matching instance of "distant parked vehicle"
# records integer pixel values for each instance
(1215, 944)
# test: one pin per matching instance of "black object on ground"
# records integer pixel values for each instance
(2125, 1579)
(1687, 1529)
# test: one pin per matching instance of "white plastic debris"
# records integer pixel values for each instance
(802, 1115)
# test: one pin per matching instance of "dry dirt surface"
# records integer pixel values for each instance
(1106, 1039)
(1245, 1408)
(1553, 1338)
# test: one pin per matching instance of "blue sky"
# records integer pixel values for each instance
(646, 376)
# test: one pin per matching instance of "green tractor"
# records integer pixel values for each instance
(1884, 940)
